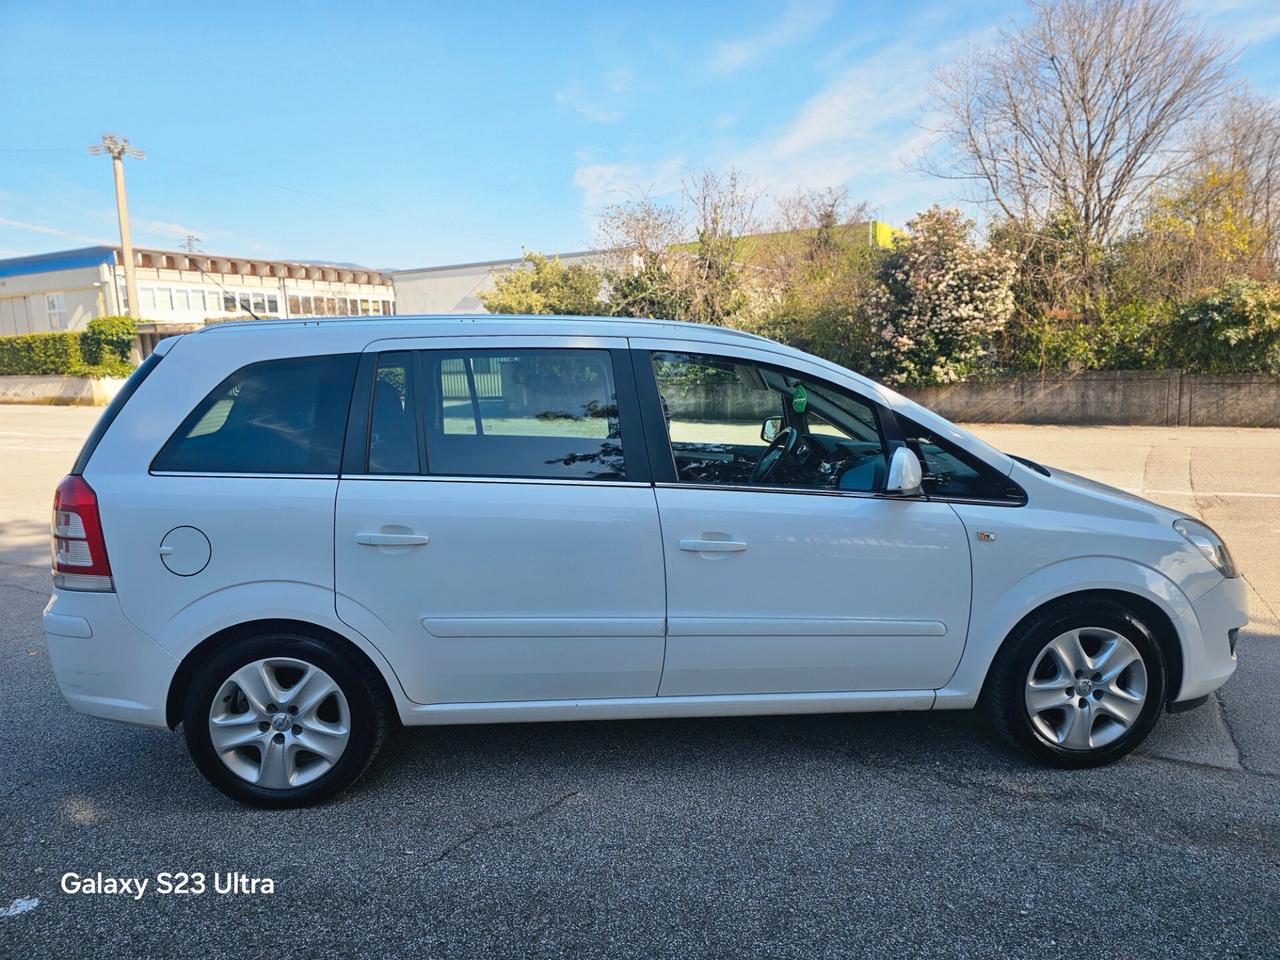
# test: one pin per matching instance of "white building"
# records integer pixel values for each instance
(456, 288)
(178, 290)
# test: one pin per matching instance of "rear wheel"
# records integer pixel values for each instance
(1079, 684)
(283, 720)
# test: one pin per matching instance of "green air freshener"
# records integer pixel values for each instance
(799, 400)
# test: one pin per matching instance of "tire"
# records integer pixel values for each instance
(327, 699)
(1056, 689)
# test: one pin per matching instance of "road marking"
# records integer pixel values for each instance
(1212, 493)
(21, 905)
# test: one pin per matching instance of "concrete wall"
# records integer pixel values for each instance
(1142, 398)
(61, 391)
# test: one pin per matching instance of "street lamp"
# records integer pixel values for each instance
(118, 148)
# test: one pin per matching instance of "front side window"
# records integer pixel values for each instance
(277, 416)
(952, 474)
(739, 423)
(537, 413)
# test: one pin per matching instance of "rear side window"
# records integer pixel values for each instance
(538, 413)
(277, 416)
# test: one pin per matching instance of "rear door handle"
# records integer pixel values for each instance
(392, 539)
(713, 546)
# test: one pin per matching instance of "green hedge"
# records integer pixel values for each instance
(100, 351)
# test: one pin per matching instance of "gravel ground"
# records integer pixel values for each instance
(897, 835)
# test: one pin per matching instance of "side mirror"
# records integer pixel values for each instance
(905, 477)
(770, 429)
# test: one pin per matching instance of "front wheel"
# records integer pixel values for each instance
(1079, 684)
(283, 720)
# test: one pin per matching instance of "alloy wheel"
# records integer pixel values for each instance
(279, 722)
(1086, 688)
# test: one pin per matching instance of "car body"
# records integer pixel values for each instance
(546, 518)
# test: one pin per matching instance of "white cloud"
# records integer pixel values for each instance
(172, 229)
(599, 100)
(799, 21)
(603, 184)
(50, 231)
(1243, 21)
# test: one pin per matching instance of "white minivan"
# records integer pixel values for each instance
(287, 536)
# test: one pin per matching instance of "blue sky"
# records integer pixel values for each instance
(412, 134)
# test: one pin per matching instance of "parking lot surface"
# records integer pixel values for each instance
(901, 835)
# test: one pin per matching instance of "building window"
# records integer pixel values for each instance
(180, 301)
(342, 306)
(228, 301)
(331, 306)
(306, 306)
(55, 305)
(244, 303)
(259, 303)
(364, 308)
(295, 305)
(386, 308)
(147, 295)
(273, 303)
(164, 298)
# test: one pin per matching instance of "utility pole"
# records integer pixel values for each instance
(118, 148)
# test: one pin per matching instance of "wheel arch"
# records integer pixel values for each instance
(1151, 614)
(1152, 596)
(206, 648)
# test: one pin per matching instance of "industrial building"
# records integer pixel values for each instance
(456, 288)
(179, 290)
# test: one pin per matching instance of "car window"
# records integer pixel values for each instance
(745, 424)
(952, 474)
(393, 426)
(277, 416)
(539, 413)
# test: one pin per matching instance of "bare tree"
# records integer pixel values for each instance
(1079, 112)
(1240, 147)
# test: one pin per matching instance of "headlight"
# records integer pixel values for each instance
(1208, 543)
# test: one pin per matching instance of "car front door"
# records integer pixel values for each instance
(496, 535)
(788, 570)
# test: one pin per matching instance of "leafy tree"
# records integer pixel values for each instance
(1233, 329)
(545, 285)
(939, 300)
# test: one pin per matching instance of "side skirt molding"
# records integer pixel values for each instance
(637, 708)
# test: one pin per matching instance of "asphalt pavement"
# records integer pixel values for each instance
(897, 835)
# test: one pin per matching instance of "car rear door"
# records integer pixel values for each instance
(792, 587)
(496, 534)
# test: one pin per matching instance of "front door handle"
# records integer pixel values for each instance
(713, 546)
(392, 539)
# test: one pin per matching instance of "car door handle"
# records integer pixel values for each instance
(713, 546)
(392, 539)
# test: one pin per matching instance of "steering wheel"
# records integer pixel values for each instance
(780, 447)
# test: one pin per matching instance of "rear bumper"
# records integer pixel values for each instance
(1208, 665)
(104, 665)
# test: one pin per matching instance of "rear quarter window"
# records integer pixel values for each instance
(276, 417)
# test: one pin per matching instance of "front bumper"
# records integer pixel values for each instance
(1208, 665)
(104, 665)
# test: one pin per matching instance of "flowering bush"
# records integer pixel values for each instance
(939, 301)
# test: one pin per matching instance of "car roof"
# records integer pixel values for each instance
(441, 324)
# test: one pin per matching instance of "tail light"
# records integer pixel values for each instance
(79, 551)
